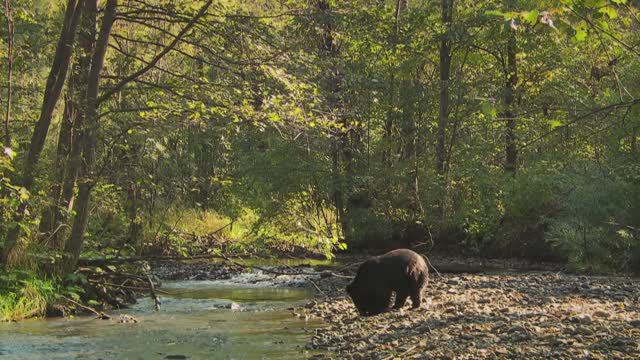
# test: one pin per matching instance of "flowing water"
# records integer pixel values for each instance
(198, 320)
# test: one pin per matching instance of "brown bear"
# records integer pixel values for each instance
(401, 271)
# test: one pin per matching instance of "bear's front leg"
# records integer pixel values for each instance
(401, 299)
(416, 300)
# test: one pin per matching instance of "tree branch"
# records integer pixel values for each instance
(158, 57)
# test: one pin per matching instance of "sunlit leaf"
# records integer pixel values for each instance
(609, 11)
(531, 17)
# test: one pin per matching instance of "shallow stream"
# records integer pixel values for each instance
(198, 320)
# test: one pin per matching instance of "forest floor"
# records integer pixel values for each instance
(535, 315)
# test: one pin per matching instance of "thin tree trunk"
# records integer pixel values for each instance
(511, 152)
(410, 146)
(387, 153)
(91, 127)
(10, 31)
(391, 116)
(410, 125)
(52, 92)
(132, 158)
(634, 141)
(401, 6)
(71, 170)
(445, 74)
(446, 8)
(52, 213)
(337, 187)
(329, 50)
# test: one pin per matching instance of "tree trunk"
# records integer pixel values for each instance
(634, 141)
(133, 195)
(52, 213)
(446, 16)
(89, 140)
(52, 92)
(511, 151)
(387, 153)
(391, 116)
(445, 74)
(68, 154)
(409, 151)
(336, 184)
(10, 31)
(55, 83)
(328, 49)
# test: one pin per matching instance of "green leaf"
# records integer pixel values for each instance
(494, 12)
(595, 4)
(24, 194)
(160, 147)
(499, 13)
(488, 110)
(609, 11)
(531, 17)
(555, 123)
(581, 33)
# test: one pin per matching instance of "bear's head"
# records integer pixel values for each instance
(358, 297)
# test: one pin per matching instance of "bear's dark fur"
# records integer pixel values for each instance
(401, 271)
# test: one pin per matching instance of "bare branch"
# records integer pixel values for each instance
(157, 58)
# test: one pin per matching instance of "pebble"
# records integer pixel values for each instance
(602, 314)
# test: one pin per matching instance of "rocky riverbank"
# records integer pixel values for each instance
(488, 314)
(528, 315)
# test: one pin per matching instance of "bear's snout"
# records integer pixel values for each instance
(349, 288)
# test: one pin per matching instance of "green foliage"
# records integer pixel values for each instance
(24, 295)
(531, 200)
(187, 232)
(597, 228)
(316, 129)
(27, 294)
(10, 195)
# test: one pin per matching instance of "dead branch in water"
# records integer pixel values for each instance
(152, 290)
(99, 314)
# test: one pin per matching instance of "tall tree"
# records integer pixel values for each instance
(53, 89)
(90, 130)
(68, 158)
(509, 115)
(91, 126)
(10, 33)
(446, 16)
(331, 84)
